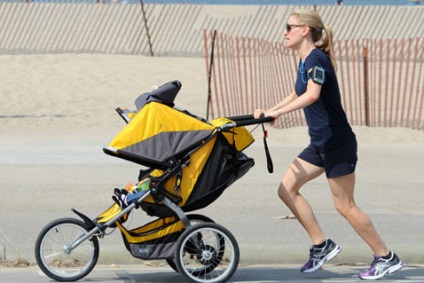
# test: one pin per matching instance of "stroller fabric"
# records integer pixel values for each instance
(156, 136)
(154, 240)
(158, 133)
(164, 94)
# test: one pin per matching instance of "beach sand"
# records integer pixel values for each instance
(62, 95)
(57, 112)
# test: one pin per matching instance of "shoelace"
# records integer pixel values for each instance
(312, 254)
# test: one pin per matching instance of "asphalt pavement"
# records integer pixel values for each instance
(258, 273)
(49, 178)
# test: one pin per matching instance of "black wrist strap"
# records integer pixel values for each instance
(268, 155)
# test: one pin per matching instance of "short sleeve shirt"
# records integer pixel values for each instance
(326, 119)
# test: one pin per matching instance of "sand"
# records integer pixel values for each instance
(59, 95)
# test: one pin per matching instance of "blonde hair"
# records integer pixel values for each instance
(322, 35)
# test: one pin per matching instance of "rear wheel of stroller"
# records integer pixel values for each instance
(194, 219)
(55, 261)
(207, 252)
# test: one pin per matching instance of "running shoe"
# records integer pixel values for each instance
(381, 266)
(319, 255)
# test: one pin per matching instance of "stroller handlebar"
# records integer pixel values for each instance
(246, 120)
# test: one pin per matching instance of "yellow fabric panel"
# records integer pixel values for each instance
(155, 118)
(137, 238)
(108, 214)
(239, 136)
(190, 174)
(154, 225)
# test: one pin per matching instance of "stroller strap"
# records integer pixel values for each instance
(268, 155)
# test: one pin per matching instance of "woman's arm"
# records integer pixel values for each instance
(291, 103)
(292, 96)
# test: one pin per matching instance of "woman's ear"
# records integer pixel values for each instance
(306, 30)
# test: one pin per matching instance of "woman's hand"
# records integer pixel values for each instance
(258, 112)
(273, 114)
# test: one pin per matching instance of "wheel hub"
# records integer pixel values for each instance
(207, 255)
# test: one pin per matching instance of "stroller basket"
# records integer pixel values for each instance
(155, 240)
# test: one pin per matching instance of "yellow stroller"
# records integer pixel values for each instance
(190, 162)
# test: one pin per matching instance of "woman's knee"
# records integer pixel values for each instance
(287, 192)
(295, 177)
(342, 190)
(345, 209)
(282, 192)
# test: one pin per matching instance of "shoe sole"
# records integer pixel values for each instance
(390, 270)
(328, 257)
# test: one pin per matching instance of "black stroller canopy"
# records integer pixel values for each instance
(164, 94)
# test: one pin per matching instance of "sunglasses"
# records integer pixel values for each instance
(290, 27)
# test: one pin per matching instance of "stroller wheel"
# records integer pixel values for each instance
(194, 219)
(55, 261)
(207, 252)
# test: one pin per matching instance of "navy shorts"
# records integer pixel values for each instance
(337, 162)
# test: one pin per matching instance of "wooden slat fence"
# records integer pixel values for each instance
(397, 82)
(71, 28)
(177, 30)
(31, 28)
(250, 73)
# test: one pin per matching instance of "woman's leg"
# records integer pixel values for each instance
(298, 174)
(342, 189)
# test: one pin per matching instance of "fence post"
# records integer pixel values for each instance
(210, 75)
(147, 27)
(366, 87)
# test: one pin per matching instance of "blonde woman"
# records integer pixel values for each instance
(332, 149)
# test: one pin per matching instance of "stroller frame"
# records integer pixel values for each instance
(203, 252)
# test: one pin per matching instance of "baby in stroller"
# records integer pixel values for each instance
(126, 196)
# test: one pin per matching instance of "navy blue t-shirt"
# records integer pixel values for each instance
(327, 122)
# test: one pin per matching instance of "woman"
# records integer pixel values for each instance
(332, 149)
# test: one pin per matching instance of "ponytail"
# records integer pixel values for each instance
(322, 35)
(327, 45)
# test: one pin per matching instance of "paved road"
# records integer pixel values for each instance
(49, 178)
(263, 273)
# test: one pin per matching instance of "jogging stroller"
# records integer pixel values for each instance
(187, 164)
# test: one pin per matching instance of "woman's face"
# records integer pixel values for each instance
(293, 33)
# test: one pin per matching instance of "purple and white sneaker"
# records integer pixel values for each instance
(319, 255)
(382, 266)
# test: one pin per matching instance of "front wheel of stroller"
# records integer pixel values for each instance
(207, 252)
(51, 254)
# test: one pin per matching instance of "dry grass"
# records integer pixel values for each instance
(15, 263)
